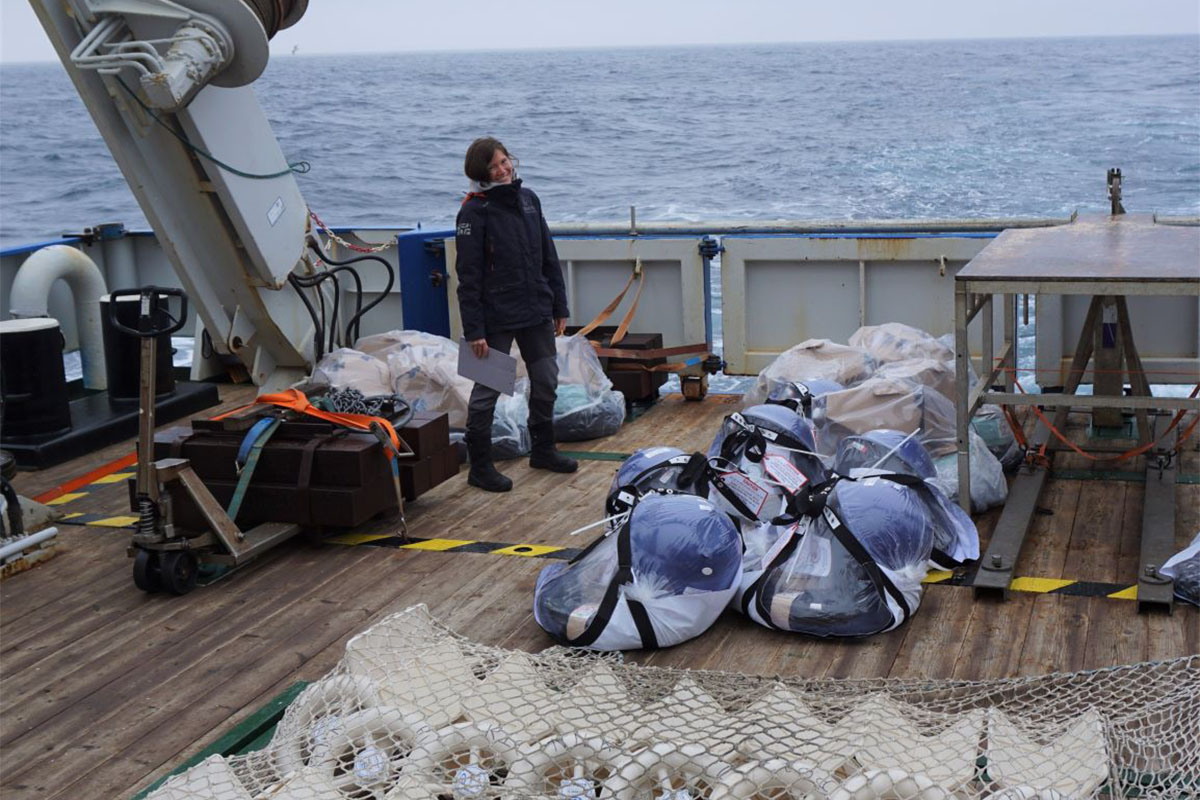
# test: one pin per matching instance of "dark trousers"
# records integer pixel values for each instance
(536, 344)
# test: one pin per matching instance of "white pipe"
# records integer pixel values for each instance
(31, 296)
(26, 542)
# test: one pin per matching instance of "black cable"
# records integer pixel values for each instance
(312, 312)
(352, 327)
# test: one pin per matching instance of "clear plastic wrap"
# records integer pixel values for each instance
(1184, 569)
(937, 375)
(760, 457)
(579, 415)
(853, 570)
(989, 488)
(883, 403)
(345, 368)
(510, 423)
(684, 563)
(813, 359)
(798, 395)
(424, 371)
(992, 426)
(895, 341)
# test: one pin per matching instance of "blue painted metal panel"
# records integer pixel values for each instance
(35, 246)
(423, 296)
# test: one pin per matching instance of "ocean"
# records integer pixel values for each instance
(882, 130)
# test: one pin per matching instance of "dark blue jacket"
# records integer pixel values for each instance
(508, 271)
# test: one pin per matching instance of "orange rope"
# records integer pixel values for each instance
(295, 400)
(1137, 451)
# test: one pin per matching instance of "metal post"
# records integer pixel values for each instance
(1010, 338)
(962, 365)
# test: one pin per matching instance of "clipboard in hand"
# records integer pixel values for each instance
(496, 370)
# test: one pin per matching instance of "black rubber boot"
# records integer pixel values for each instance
(483, 472)
(543, 454)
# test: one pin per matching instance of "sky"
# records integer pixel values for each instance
(347, 26)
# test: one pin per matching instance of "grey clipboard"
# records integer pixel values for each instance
(496, 371)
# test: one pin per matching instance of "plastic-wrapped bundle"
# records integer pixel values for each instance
(662, 578)
(579, 416)
(937, 375)
(798, 395)
(586, 406)
(510, 424)
(345, 368)
(883, 403)
(758, 541)
(895, 341)
(955, 537)
(761, 456)
(424, 371)
(989, 488)
(992, 426)
(1184, 568)
(656, 470)
(853, 569)
(813, 359)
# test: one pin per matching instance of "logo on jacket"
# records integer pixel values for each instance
(527, 206)
(464, 229)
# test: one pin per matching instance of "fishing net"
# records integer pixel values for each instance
(415, 711)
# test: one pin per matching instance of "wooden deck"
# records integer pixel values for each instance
(105, 688)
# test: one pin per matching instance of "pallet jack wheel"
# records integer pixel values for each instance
(147, 572)
(179, 571)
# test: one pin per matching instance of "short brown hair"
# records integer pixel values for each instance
(479, 158)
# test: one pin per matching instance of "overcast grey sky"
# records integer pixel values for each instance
(344, 26)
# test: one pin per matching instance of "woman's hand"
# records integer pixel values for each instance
(479, 347)
(560, 325)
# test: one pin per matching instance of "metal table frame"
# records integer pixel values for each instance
(974, 295)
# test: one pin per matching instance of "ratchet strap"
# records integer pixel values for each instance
(640, 276)
(247, 459)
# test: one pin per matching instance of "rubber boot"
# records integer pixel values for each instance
(483, 472)
(544, 456)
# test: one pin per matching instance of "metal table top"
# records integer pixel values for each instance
(1128, 247)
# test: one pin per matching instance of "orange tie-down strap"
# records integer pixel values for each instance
(698, 353)
(296, 400)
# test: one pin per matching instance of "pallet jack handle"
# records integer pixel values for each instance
(149, 298)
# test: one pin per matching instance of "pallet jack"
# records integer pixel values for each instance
(165, 558)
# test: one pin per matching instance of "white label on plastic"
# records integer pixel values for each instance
(780, 543)
(814, 557)
(275, 211)
(816, 606)
(626, 497)
(831, 518)
(783, 471)
(769, 435)
(745, 489)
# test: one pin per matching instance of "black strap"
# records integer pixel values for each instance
(753, 593)
(642, 620)
(883, 584)
(623, 575)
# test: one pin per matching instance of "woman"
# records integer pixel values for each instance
(510, 286)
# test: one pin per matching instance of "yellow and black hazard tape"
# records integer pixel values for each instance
(965, 578)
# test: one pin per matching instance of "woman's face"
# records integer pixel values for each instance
(500, 168)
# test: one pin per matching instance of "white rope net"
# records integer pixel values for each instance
(415, 711)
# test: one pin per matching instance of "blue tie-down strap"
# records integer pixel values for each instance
(247, 459)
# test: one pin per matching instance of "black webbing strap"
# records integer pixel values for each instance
(918, 485)
(883, 584)
(304, 479)
(623, 575)
(753, 593)
(642, 620)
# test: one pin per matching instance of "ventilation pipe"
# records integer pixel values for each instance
(31, 298)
